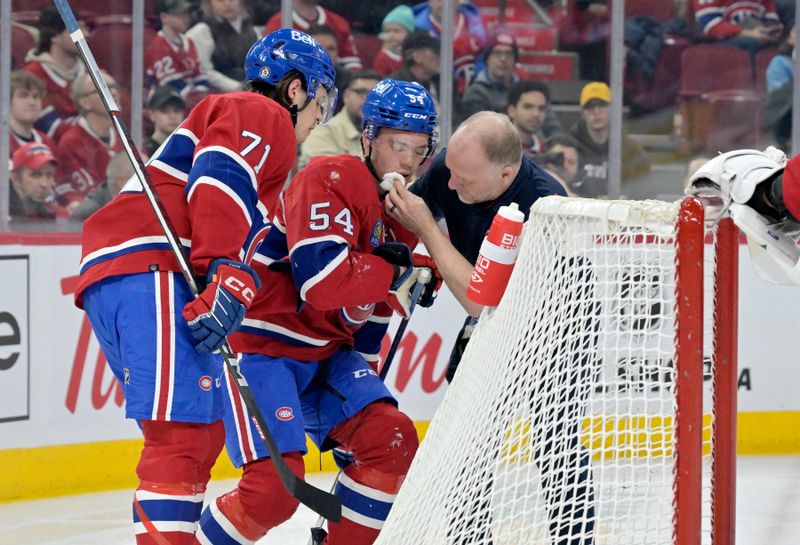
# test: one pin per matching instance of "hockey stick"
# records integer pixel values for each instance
(318, 533)
(318, 500)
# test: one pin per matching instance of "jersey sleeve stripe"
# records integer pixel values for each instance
(227, 190)
(167, 169)
(233, 155)
(316, 240)
(261, 327)
(183, 131)
(337, 260)
(132, 245)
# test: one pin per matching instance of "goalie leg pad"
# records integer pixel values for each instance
(173, 470)
(259, 503)
(383, 441)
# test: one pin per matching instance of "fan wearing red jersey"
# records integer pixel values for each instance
(334, 266)
(217, 176)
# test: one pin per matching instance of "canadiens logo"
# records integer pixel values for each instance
(376, 238)
(265, 72)
(205, 382)
(285, 414)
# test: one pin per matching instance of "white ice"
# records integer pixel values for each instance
(768, 511)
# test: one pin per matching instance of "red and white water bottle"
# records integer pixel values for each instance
(497, 256)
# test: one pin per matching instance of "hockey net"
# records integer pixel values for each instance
(579, 414)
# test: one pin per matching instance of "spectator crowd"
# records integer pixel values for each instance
(66, 159)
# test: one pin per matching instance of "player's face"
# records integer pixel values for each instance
(398, 151)
(472, 176)
(26, 105)
(35, 185)
(313, 114)
(570, 169)
(529, 112)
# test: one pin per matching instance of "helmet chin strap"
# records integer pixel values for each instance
(368, 161)
(294, 110)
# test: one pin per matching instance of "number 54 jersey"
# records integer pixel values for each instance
(322, 288)
(218, 177)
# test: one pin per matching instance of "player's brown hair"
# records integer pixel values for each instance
(280, 92)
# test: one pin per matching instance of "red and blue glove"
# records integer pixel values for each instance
(406, 274)
(219, 310)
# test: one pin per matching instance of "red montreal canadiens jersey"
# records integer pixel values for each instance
(720, 18)
(348, 56)
(176, 65)
(58, 108)
(329, 221)
(82, 161)
(15, 142)
(217, 175)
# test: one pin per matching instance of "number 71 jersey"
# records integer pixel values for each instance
(218, 176)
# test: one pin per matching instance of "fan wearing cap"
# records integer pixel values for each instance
(396, 26)
(33, 182)
(592, 132)
(218, 176)
(166, 109)
(334, 268)
(171, 58)
(55, 61)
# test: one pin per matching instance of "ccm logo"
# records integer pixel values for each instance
(285, 414)
(415, 116)
(237, 286)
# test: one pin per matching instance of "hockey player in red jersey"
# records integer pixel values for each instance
(334, 267)
(218, 176)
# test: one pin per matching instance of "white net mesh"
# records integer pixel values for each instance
(558, 428)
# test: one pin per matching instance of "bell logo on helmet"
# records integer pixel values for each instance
(265, 72)
(303, 37)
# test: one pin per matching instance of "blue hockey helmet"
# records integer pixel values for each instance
(286, 49)
(400, 105)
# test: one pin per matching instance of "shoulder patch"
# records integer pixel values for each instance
(378, 232)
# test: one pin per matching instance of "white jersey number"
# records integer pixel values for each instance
(321, 220)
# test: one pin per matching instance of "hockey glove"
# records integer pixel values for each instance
(406, 275)
(431, 289)
(750, 184)
(219, 309)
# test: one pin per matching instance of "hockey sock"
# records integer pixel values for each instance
(383, 441)
(173, 470)
(259, 503)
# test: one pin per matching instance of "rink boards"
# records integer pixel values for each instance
(62, 426)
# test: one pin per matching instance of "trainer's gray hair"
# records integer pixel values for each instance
(78, 89)
(496, 135)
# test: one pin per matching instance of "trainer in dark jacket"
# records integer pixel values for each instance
(482, 170)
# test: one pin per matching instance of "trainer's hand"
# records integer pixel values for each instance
(219, 309)
(409, 209)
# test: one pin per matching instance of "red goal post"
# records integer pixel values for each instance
(597, 403)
